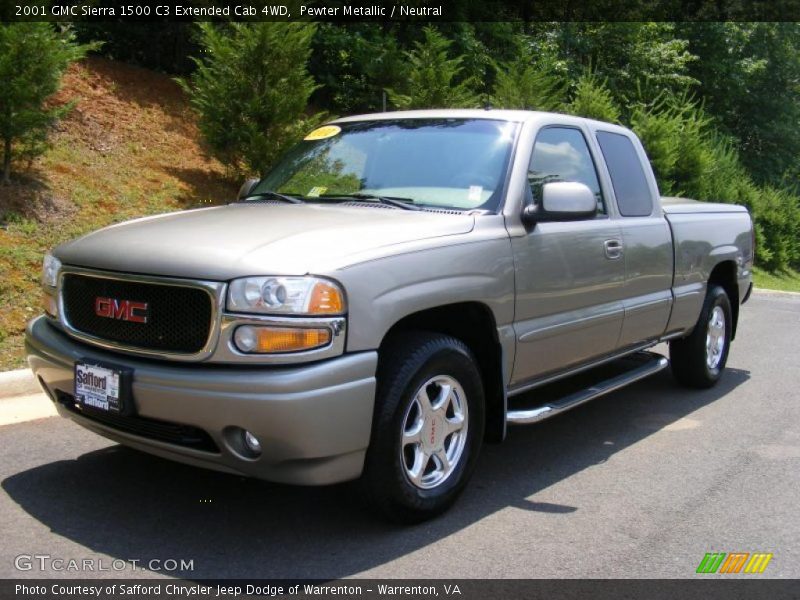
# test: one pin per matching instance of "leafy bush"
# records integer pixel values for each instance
(251, 89)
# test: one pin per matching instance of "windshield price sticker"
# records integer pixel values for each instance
(316, 191)
(322, 133)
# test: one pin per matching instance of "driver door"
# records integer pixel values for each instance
(570, 276)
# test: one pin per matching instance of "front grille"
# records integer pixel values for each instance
(187, 436)
(178, 317)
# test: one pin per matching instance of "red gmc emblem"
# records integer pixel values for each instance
(124, 310)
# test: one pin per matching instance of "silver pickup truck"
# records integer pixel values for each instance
(370, 308)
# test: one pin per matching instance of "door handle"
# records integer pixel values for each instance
(613, 249)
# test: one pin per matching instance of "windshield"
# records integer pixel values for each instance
(453, 163)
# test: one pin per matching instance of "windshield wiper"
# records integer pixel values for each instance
(404, 203)
(271, 194)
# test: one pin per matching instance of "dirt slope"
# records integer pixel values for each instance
(129, 147)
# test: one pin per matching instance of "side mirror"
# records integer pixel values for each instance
(562, 201)
(247, 187)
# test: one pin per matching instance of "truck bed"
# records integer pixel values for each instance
(673, 206)
(705, 234)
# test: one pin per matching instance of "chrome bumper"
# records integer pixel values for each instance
(313, 420)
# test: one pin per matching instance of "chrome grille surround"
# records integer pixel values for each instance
(219, 347)
(215, 291)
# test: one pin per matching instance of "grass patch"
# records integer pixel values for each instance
(785, 281)
(130, 148)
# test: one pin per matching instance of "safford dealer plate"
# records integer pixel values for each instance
(102, 387)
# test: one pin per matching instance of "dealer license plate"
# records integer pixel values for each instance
(99, 387)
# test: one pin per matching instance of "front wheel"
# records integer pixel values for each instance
(428, 426)
(698, 360)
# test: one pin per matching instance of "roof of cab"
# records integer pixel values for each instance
(516, 116)
(445, 113)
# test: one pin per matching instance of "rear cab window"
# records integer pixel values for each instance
(634, 198)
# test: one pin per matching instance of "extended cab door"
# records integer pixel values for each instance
(570, 276)
(647, 240)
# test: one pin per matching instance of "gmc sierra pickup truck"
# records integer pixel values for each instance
(370, 306)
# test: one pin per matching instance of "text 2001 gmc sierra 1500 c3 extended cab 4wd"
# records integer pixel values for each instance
(368, 308)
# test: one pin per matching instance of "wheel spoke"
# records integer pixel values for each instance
(413, 435)
(453, 424)
(443, 398)
(424, 402)
(421, 459)
(444, 461)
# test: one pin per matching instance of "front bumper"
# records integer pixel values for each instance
(313, 420)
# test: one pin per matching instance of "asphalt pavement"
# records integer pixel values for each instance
(640, 483)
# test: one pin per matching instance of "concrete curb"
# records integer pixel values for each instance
(18, 383)
(768, 292)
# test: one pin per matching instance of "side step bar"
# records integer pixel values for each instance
(653, 364)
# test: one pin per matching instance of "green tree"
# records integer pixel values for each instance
(524, 84)
(627, 55)
(354, 64)
(593, 99)
(680, 142)
(33, 57)
(432, 77)
(749, 77)
(250, 90)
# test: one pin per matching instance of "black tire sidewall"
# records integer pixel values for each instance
(688, 356)
(384, 471)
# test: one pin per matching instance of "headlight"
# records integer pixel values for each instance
(50, 268)
(286, 296)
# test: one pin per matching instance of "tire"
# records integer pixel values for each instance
(698, 360)
(405, 477)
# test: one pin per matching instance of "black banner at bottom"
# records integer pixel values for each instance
(373, 589)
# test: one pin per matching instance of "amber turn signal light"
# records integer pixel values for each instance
(326, 299)
(254, 339)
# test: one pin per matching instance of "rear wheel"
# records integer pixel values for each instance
(698, 360)
(427, 428)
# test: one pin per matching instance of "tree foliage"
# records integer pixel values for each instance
(251, 89)
(716, 104)
(33, 57)
(749, 77)
(353, 66)
(593, 99)
(523, 84)
(431, 77)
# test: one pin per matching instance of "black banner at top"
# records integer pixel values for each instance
(399, 10)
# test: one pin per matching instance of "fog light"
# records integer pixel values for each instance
(245, 339)
(252, 443)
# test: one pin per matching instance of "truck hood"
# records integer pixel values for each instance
(224, 242)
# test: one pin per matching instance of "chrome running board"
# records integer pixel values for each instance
(653, 363)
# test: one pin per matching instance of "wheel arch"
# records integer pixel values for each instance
(724, 274)
(472, 323)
